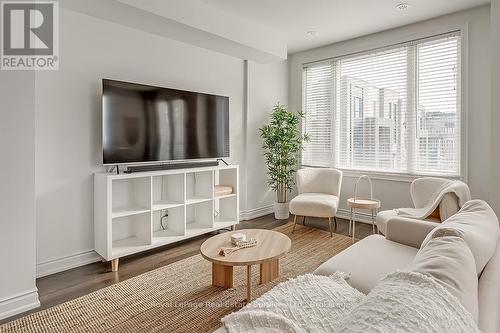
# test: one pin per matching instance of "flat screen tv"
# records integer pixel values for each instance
(143, 123)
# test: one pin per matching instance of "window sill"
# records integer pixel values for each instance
(377, 175)
(380, 175)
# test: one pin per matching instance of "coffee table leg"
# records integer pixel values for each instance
(222, 276)
(269, 271)
(249, 283)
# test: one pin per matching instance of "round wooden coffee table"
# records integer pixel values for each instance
(271, 246)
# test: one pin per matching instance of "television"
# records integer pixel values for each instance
(142, 123)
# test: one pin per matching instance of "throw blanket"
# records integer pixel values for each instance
(408, 302)
(403, 302)
(432, 201)
(308, 303)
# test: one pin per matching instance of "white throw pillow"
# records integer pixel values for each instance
(450, 262)
(479, 225)
(408, 302)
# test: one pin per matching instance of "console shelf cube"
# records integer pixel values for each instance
(199, 186)
(199, 218)
(131, 197)
(128, 208)
(168, 191)
(173, 227)
(130, 231)
(225, 210)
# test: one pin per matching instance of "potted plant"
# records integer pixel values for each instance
(283, 142)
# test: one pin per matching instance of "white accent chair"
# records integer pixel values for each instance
(421, 189)
(319, 192)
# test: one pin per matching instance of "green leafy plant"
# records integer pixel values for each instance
(283, 142)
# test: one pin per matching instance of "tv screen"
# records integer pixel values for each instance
(142, 123)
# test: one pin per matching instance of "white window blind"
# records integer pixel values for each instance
(318, 98)
(438, 100)
(395, 109)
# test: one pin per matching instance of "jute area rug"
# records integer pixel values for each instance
(178, 297)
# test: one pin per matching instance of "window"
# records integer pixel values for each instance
(358, 107)
(394, 110)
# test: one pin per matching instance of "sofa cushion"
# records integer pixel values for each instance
(368, 261)
(314, 204)
(489, 294)
(450, 262)
(384, 216)
(479, 225)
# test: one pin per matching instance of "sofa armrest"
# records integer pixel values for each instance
(407, 231)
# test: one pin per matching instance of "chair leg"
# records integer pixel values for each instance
(335, 224)
(304, 220)
(330, 226)
(294, 222)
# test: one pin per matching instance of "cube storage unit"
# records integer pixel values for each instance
(139, 211)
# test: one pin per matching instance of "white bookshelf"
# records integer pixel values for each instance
(128, 208)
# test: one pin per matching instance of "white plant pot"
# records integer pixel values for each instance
(281, 211)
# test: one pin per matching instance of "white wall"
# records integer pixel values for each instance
(267, 86)
(68, 139)
(17, 193)
(476, 22)
(495, 105)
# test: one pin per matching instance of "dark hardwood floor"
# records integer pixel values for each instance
(61, 287)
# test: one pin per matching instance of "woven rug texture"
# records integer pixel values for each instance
(178, 297)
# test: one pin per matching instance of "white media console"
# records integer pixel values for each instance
(128, 208)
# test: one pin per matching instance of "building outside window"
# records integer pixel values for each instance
(394, 110)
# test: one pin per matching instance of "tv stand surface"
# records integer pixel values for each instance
(135, 212)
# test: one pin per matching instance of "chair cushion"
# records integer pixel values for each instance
(314, 204)
(319, 180)
(386, 215)
(479, 225)
(368, 261)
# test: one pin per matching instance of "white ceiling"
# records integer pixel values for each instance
(335, 20)
(265, 30)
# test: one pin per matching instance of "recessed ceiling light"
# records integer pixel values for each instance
(311, 33)
(403, 6)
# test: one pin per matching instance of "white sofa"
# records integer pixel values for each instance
(371, 259)
(461, 255)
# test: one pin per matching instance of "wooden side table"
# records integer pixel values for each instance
(362, 203)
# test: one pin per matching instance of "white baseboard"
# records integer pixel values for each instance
(19, 303)
(255, 213)
(65, 263)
